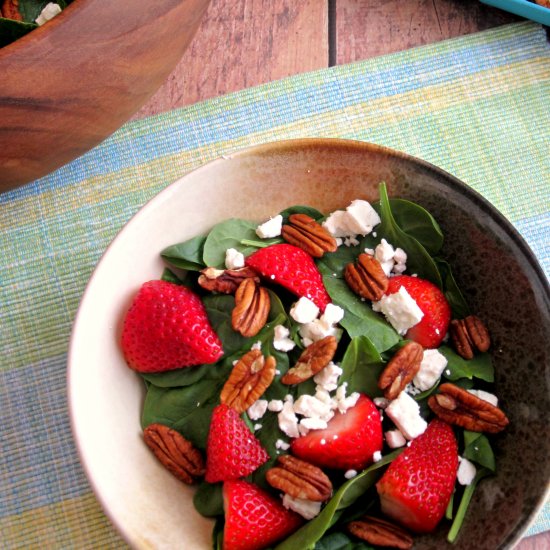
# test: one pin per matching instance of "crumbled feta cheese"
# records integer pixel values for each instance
(323, 395)
(275, 405)
(257, 427)
(308, 509)
(400, 309)
(271, 228)
(362, 217)
(431, 368)
(384, 251)
(486, 396)
(256, 345)
(351, 241)
(283, 445)
(327, 378)
(381, 402)
(288, 421)
(317, 329)
(342, 402)
(377, 456)
(405, 413)
(332, 315)
(466, 471)
(412, 390)
(281, 341)
(233, 259)
(312, 424)
(257, 409)
(304, 311)
(311, 407)
(395, 439)
(50, 10)
(400, 256)
(349, 474)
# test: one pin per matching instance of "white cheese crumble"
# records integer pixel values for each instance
(233, 259)
(281, 341)
(256, 345)
(377, 456)
(257, 409)
(324, 326)
(395, 439)
(50, 10)
(271, 228)
(327, 378)
(342, 402)
(349, 474)
(288, 421)
(359, 218)
(466, 471)
(304, 311)
(257, 427)
(393, 260)
(405, 413)
(381, 402)
(308, 509)
(400, 309)
(486, 396)
(282, 445)
(275, 405)
(431, 368)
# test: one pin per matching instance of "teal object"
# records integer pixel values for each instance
(524, 8)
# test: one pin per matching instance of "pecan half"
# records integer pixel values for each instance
(249, 379)
(251, 309)
(303, 231)
(401, 369)
(10, 10)
(380, 532)
(299, 479)
(469, 335)
(312, 360)
(225, 281)
(366, 277)
(174, 452)
(457, 406)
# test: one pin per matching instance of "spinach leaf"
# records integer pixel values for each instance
(339, 540)
(452, 292)
(299, 209)
(349, 492)
(11, 30)
(208, 499)
(419, 260)
(30, 9)
(187, 255)
(464, 503)
(362, 366)
(360, 319)
(416, 222)
(457, 367)
(230, 234)
(478, 449)
(185, 376)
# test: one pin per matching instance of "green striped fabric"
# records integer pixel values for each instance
(478, 107)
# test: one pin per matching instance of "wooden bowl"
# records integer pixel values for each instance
(69, 84)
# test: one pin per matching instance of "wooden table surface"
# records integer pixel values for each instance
(242, 43)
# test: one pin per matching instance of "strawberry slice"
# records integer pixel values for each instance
(293, 268)
(431, 330)
(253, 518)
(166, 327)
(348, 442)
(232, 450)
(416, 488)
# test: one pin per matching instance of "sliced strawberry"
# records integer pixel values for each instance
(416, 488)
(253, 518)
(166, 327)
(291, 267)
(431, 330)
(349, 441)
(232, 451)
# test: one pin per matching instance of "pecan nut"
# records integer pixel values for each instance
(249, 379)
(469, 335)
(457, 406)
(380, 532)
(299, 479)
(225, 281)
(174, 452)
(312, 360)
(303, 231)
(401, 369)
(251, 309)
(366, 277)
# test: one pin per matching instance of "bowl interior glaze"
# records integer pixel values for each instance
(494, 267)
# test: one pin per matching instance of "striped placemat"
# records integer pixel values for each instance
(478, 107)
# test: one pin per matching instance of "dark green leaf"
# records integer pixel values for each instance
(457, 367)
(186, 255)
(454, 296)
(477, 448)
(299, 209)
(208, 499)
(31, 9)
(171, 277)
(341, 541)
(11, 30)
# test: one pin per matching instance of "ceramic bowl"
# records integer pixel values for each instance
(69, 84)
(494, 267)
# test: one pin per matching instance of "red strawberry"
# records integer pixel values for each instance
(431, 330)
(348, 442)
(232, 451)
(292, 268)
(253, 518)
(418, 484)
(167, 328)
